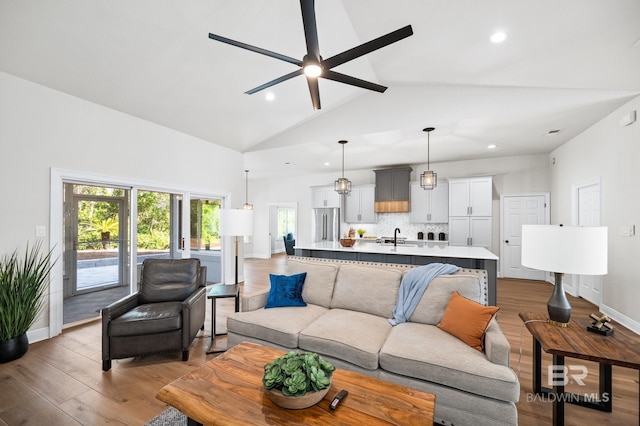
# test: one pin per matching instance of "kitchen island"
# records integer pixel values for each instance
(409, 254)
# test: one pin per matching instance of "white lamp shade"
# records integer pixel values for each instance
(236, 222)
(567, 249)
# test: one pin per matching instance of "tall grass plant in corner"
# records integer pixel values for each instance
(23, 285)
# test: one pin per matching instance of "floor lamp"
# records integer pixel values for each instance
(562, 250)
(236, 223)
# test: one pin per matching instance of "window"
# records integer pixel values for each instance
(286, 221)
(204, 224)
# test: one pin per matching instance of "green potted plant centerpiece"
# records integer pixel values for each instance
(361, 232)
(297, 380)
(23, 285)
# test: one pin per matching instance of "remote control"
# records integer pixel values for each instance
(336, 399)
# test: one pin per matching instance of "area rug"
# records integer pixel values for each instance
(169, 417)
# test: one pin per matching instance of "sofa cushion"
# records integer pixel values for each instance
(436, 297)
(366, 289)
(467, 320)
(428, 353)
(165, 280)
(318, 286)
(286, 290)
(351, 336)
(278, 325)
(149, 318)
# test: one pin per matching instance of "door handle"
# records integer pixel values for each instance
(506, 241)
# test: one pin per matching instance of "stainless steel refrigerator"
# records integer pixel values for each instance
(326, 224)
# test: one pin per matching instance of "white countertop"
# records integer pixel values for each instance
(427, 249)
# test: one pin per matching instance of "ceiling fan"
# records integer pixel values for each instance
(312, 65)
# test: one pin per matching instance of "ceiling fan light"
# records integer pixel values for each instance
(428, 179)
(312, 70)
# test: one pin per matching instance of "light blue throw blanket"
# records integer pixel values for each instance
(413, 286)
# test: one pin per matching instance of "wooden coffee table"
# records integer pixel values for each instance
(228, 391)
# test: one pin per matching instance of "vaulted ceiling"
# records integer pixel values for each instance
(565, 65)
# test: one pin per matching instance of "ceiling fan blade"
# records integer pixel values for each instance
(256, 49)
(310, 28)
(347, 79)
(314, 90)
(367, 47)
(274, 82)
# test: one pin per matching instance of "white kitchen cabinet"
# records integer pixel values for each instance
(470, 197)
(324, 196)
(470, 231)
(429, 206)
(470, 212)
(360, 204)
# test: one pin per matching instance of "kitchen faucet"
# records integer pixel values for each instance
(395, 236)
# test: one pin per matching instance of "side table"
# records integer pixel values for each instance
(576, 342)
(220, 291)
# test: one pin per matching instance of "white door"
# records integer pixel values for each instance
(518, 211)
(589, 286)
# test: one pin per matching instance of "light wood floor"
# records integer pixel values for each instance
(60, 381)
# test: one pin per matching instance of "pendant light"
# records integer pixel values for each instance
(429, 178)
(247, 206)
(342, 186)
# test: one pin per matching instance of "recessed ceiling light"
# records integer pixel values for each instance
(492, 146)
(498, 37)
(327, 164)
(269, 96)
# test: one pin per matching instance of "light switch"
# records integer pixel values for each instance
(41, 231)
(627, 231)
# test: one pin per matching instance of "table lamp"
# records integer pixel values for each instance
(562, 250)
(236, 223)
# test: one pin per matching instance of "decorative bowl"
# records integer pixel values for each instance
(296, 402)
(347, 242)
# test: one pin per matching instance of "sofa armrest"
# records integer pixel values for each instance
(254, 301)
(496, 345)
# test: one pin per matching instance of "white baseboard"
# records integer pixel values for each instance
(38, 335)
(631, 324)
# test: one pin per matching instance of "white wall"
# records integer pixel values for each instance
(42, 129)
(610, 152)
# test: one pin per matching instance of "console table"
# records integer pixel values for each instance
(575, 341)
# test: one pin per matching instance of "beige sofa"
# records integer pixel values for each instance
(346, 321)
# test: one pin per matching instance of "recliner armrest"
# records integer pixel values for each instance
(203, 276)
(496, 345)
(119, 307)
(193, 299)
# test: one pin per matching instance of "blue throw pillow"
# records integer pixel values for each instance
(286, 290)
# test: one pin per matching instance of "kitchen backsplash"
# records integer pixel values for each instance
(388, 222)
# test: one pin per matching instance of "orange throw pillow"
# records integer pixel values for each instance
(467, 320)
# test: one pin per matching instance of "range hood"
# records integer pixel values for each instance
(392, 190)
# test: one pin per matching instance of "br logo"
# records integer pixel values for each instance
(561, 375)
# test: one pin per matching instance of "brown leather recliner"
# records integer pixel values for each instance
(163, 316)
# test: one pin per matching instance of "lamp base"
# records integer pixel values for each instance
(558, 305)
(557, 323)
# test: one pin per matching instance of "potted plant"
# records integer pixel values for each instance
(105, 227)
(361, 232)
(297, 380)
(23, 285)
